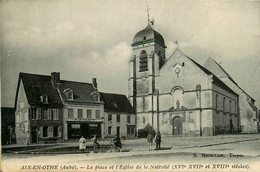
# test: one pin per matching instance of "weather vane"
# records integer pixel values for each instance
(150, 22)
(148, 14)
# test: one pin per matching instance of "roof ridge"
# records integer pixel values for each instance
(24, 73)
(77, 82)
(113, 93)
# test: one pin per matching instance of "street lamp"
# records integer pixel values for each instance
(198, 93)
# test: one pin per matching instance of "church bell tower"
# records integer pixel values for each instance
(144, 67)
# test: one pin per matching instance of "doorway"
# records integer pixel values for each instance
(118, 131)
(177, 126)
(34, 134)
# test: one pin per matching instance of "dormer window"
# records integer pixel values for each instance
(44, 98)
(68, 93)
(95, 96)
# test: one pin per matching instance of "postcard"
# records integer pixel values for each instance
(130, 85)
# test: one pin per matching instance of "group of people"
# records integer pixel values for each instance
(82, 144)
(158, 140)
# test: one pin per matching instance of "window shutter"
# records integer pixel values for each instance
(41, 132)
(59, 131)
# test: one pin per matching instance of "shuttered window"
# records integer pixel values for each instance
(143, 61)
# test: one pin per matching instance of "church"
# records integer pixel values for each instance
(177, 95)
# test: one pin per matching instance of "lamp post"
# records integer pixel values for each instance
(198, 93)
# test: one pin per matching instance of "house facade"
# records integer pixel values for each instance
(38, 110)
(177, 96)
(49, 109)
(119, 116)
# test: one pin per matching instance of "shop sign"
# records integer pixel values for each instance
(87, 119)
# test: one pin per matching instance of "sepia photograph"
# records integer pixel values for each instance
(130, 85)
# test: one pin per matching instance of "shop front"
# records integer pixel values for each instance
(88, 129)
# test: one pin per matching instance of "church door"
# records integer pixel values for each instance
(177, 126)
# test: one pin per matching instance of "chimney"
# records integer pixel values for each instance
(94, 82)
(55, 79)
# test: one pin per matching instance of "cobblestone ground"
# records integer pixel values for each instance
(138, 144)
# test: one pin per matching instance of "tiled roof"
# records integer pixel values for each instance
(220, 72)
(216, 80)
(81, 91)
(37, 85)
(116, 103)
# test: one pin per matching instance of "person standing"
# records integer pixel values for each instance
(150, 140)
(82, 144)
(95, 144)
(158, 140)
(28, 136)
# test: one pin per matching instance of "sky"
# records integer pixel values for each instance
(92, 39)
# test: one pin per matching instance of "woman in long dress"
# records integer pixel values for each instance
(82, 144)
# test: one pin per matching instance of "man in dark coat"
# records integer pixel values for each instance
(158, 140)
(117, 142)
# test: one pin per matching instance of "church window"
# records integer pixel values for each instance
(190, 120)
(224, 101)
(230, 106)
(143, 119)
(216, 102)
(164, 121)
(143, 61)
(235, 108)
(143, 103)
(177, 101)
(144, 37)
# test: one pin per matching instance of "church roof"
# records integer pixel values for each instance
(147, 35)
(220, 72)
(116, 103)
(217, 69)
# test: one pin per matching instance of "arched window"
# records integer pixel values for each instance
(224, 102)
(164, 120)
(177, 100)
(216, 102)
(143, 61)
(230, 106)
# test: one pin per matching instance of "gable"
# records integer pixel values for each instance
(37, 85)
(180, 70)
